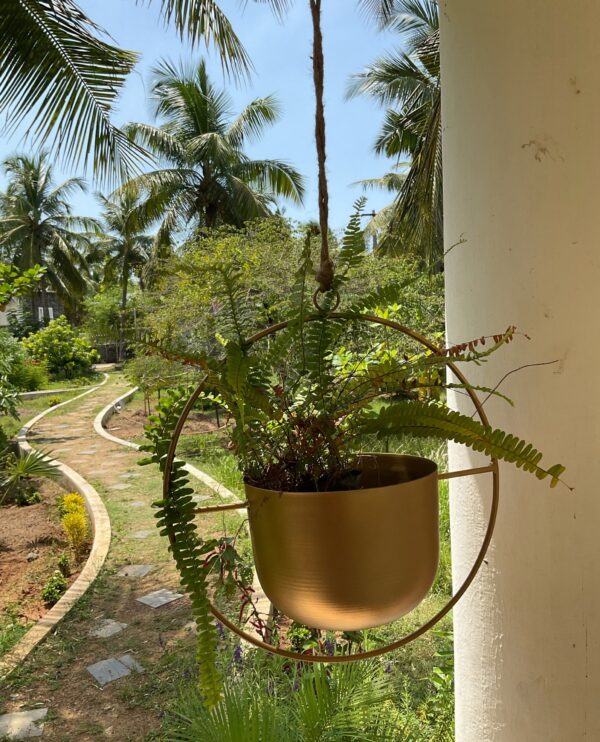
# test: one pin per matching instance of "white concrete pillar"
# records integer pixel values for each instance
(521, 116)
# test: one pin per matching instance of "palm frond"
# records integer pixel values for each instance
(62, 80)
(252, 121)
(274, 176)
(204, 19)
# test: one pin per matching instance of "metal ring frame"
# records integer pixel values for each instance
(492, 468)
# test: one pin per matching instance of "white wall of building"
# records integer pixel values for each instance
(521, 116)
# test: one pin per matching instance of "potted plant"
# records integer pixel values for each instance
(343, 537)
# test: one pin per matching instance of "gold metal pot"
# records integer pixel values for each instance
(353, 559)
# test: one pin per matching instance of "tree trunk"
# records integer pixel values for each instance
(124, 287)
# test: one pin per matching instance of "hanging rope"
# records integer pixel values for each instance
(325, 273)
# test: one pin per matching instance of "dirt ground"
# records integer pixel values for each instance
(31, 541)
(129, 423)
(162, 641)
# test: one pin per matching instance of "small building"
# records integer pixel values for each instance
(45, 304)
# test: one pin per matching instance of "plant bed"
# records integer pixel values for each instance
(129, 423)
(33, 545)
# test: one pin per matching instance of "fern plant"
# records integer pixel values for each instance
(303, 399)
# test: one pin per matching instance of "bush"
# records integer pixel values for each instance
(31, 376)
(65, 352)
(76, 528)
(17, 472)
(64, 564)
(72, 502)
(54, 588)
(53, 401)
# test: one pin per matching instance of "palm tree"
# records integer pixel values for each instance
(38, 228)
(124, 247)
(409, 82)
(124, 243)
(207, 179)
(61, 77)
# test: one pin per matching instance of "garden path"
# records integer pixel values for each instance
(111, 664)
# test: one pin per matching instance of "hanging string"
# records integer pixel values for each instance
(325, 273)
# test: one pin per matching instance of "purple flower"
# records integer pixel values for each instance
(220, 630)
(330, 647)
(388, 668)
(237, 656)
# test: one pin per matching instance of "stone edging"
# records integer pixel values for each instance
(101, 531)
(104, 416)
(48, 392)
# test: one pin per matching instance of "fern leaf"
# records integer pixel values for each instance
(434, 420)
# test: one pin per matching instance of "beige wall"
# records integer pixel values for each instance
(521, 111)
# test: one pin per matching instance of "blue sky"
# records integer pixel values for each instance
(281, 56)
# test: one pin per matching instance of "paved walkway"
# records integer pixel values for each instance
(113, 660)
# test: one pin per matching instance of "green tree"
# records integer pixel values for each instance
(210, 180)
(408, 82)
(37, 226)
(102, 318)
(62, 348)
(124, 244)
(14, 282)
(61, 77)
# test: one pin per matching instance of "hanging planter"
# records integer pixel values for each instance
(350, 559)
(353, 558)
(341, 540)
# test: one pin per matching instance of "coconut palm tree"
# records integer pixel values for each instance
(125, 249)
(207, 179)
(124, 244)
(61, 77)
(37, 226)
(408, 82)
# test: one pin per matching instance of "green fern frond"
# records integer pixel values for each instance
(353, 249)
(175, 519)
(381, 297)
(433, 420)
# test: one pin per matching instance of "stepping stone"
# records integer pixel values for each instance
(142, 534)
(106, 627)
(119, 487)
(137, 504)
(106, 671)
(88, 453)
(130, 662)
(135, 570)
(159, 598)
(130, 475)
(22, 724)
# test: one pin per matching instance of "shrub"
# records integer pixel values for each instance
(17, 471)
(31, 376)
(76, 528)
(54, 588)
(66, 353)
(64, 564)
(72, 502)
(22, 373)
(53, 401)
